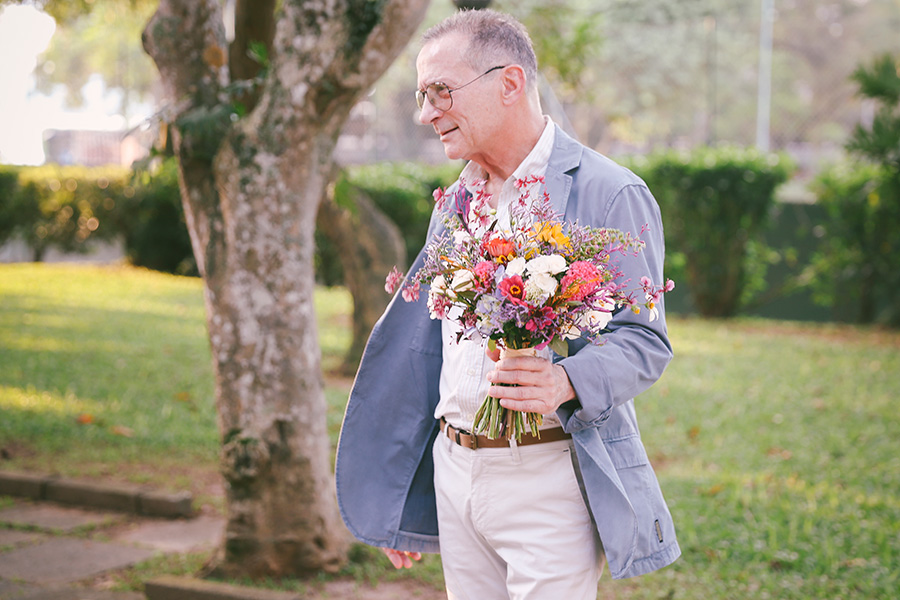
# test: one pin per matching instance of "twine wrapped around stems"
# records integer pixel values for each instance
(493, 420)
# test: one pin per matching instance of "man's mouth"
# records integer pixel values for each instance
(443, 133)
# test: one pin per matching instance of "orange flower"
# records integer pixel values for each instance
(501, 249)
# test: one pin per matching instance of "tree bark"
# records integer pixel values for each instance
(369, 244)
(251, 189)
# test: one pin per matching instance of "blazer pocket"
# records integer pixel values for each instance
(626, 452)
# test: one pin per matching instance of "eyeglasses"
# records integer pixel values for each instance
(438, 93)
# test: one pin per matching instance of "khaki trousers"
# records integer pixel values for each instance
(513, 523)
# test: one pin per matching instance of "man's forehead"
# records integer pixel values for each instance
(442, 58)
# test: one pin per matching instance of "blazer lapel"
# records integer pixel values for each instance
(566, 157)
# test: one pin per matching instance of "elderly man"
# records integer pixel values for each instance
(534, 518)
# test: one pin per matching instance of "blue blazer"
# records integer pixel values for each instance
(384, 470)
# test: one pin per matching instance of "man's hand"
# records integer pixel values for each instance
(541, 386)
(401, 560)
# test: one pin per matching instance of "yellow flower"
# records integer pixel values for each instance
(551, 233)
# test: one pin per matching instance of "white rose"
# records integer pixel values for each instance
(439, 285)
(516, 266)
(550, 264)
(595, 319)
(545, 283)
(463, 280)
(461, 236)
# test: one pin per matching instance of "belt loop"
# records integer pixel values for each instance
(514, 451)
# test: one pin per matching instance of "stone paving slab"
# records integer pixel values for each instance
(170, 587)
(14, 591)
(201, 533)
(14, 537)
(52, 517)
(63, 560)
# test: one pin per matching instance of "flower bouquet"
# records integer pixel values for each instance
(537, 284)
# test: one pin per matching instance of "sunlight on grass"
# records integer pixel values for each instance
(33, 401)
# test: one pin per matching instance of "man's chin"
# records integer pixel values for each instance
(452, 152)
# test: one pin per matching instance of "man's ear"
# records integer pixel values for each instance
(514, 84)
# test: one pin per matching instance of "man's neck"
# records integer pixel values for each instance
(516, 145)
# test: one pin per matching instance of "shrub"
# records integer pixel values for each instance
(64, 207)
(715, 204)
(858, 264)
(10, 212)
(156, 235)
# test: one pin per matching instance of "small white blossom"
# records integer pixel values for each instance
(654, 311)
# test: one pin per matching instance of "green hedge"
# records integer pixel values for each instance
(67, 207)
(63, 207)
(154, 226)
(715, 204)
(859, 260)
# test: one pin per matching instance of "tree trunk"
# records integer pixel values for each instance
(369, 244)
(251, 190)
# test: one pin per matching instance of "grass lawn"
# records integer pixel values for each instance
(777, 444)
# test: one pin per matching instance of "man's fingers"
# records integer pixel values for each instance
(401, 560)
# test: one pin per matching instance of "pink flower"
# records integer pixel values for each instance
(540, 319)
(438, 306)
(439, 198)
(514, 289)
(580, 280)
(392, 281)
(411, 293)
(484, 271)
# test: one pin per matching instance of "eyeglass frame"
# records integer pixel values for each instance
(422, 94)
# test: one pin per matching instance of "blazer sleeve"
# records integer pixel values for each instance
(635, 351)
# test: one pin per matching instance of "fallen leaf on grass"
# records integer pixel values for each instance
(693, 433)
(781, 453)
(713, 490)
(122, 430)
(84, 419)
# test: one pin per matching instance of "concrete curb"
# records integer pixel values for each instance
(170, 587)
(128, 499)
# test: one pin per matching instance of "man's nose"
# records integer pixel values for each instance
(428, 112)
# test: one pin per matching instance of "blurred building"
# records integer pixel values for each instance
(95, 148)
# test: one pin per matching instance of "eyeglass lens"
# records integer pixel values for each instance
(438, 94)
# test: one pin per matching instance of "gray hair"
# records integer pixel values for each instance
(494, 39)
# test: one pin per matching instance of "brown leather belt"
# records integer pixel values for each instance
(473, 442)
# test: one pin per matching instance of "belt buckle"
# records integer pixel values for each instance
(457, 437)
